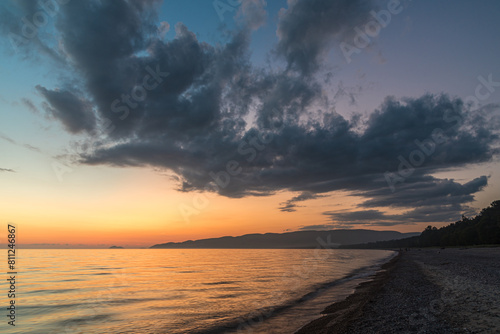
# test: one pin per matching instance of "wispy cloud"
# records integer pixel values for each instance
(290, 206)
(13, 142)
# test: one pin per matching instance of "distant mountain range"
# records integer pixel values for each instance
(300, 239)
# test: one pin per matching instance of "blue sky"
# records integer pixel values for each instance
(279, 64)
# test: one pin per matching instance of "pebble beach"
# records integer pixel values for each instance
(422, 291)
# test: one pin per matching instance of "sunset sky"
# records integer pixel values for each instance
(140, 122)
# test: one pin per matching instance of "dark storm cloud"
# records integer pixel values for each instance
(75, 113)
(430, 214)
(307, 29)
(183, 105)
(95, 34)
(102, 39)
(433, 200)
(168, 90)
(426, 191)
(326, 155)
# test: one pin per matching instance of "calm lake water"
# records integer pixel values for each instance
(182, 291)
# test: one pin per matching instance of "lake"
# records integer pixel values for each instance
(183, 290)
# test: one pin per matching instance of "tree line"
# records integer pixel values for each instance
(483, 229)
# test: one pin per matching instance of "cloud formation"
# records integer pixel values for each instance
(184, 105)
(307, 29)
(74, 113)
(252, 13)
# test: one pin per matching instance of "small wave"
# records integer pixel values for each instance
(80, 320)
(47, 308)
(265, 313)
(224, 297)
(50, 291)
(220, 283)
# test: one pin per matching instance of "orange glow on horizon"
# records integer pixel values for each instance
(142, 211)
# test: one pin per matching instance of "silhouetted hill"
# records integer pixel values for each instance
(300, 239)
(484, 229)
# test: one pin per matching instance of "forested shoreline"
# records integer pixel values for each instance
(483, 229)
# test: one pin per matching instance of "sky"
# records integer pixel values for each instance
(140, 122)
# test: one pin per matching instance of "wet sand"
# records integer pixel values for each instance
(423, 291)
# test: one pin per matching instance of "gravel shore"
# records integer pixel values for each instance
(423, 291)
